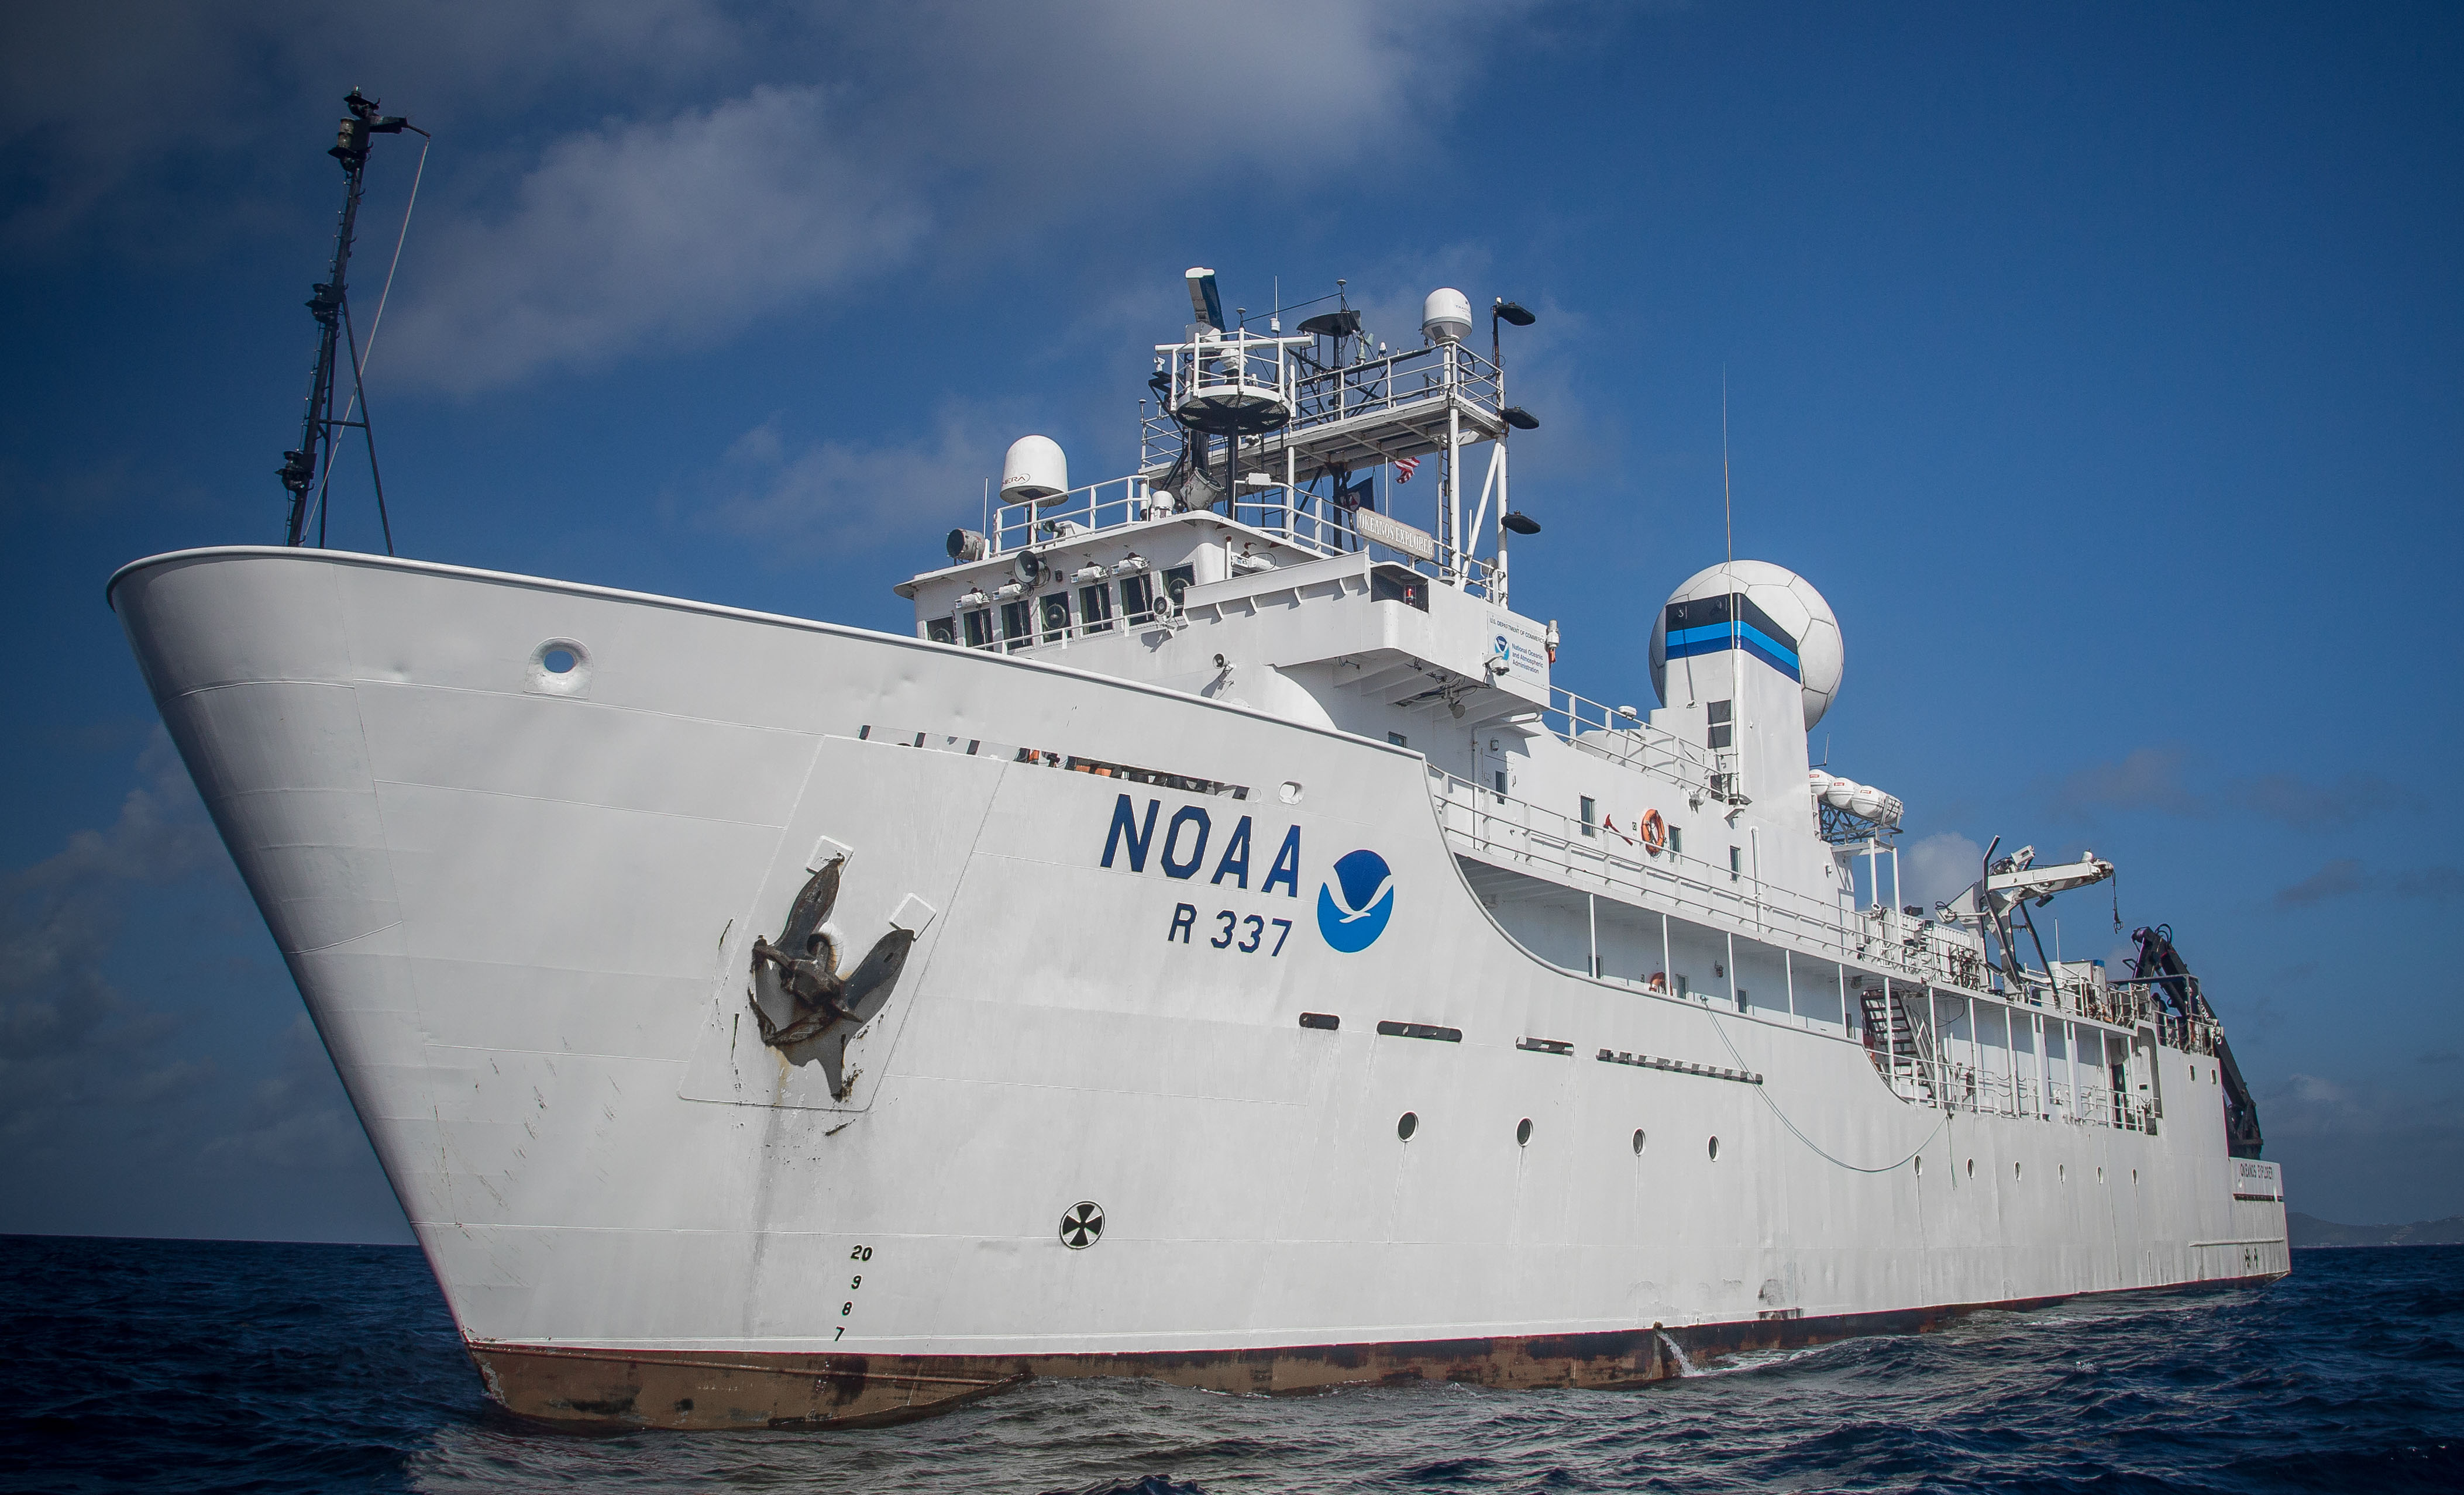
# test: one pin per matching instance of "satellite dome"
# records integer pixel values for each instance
(1445, 315)
(1035, 472)
(1788, 600)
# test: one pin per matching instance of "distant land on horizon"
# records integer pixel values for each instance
(2308, 1230)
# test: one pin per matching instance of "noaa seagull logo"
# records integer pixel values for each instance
(1352, 906)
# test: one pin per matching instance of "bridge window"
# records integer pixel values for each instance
(1180, 579)
(1677, 839)
(942, 631)
(1394, 584)
(980, 628)
(1018, 622)
(1056, 617)
(1095, 607)
(1137, 598)
(1591, 816)
(1723, 725)
(1736, 863)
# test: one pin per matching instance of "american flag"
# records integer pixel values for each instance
(1404, 468)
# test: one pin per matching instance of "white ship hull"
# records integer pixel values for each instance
(521, 908)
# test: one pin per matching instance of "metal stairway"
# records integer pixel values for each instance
(1897, 1045)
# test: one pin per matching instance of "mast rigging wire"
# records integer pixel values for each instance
(360, 361)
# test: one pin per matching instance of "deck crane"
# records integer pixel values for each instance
(2162, 965)
(2011, 885)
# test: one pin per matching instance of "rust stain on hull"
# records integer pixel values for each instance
(692, 1390)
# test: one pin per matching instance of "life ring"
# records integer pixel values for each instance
(1655, 832)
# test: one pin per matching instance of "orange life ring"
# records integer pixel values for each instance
(1655, 831)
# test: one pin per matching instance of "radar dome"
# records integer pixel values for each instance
(1035, 472)
(1445, 315)
(1788, 600)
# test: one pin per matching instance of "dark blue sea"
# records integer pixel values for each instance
(182, 1365)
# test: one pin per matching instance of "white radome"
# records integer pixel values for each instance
(1035, 470)
(1790, 601)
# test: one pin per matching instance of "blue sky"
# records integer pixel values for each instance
(2099, 364)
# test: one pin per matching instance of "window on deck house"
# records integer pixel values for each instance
(1095, 607)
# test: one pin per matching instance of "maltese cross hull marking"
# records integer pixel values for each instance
(1082, 1226)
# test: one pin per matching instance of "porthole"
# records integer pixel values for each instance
(1523, 1132)
(1290, 791)
(1971, 1168)
(1638, 1140)
(1410, 1124)
(560, 667)
(1715, 1150)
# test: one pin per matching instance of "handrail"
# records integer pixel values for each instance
(1503, 830)
(1623, 737)
(1285, 516)
(1394, 384)
(1507, 829)
(1516, 829)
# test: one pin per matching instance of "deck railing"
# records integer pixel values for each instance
(1621, 735)
(1510, 831)
(1287, 515)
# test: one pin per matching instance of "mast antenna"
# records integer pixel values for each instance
(1736, 612)
(1727, 520)
(310, 465)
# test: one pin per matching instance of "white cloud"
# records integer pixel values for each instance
(671, 232)
(761, 157)
(1940, 868)
(71, 1038)
(986, 124)
(105, 1080)
(834, 495)
(155, 120)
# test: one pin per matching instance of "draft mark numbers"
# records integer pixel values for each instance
(847, 1310)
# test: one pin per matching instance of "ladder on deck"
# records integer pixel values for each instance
(1897, 1044)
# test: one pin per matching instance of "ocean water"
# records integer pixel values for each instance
(168, 1365)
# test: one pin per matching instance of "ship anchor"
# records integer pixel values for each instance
(804, 968)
